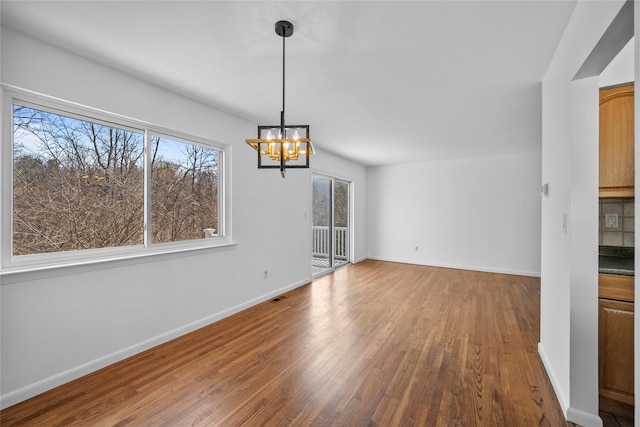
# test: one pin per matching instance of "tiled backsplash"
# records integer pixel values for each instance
(617, 222)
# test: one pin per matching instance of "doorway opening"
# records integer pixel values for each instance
(610, 374)
(331, 228)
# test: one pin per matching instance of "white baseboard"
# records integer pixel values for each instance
(24, 393)
(459, 266)
(574, 415)
(560, 394)
(583, 419)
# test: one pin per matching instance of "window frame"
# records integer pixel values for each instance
(11, 263)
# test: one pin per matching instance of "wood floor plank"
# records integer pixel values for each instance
(374, 344)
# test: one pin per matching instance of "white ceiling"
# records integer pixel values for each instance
(379, 82)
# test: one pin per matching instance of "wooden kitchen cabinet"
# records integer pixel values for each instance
(616, 353)
(616, 141)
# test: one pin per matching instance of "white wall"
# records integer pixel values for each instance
(58, 325)
(478, 213)
(583, 226)
(568, 335)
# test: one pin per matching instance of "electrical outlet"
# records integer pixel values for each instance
(417, 248)
(266, 274)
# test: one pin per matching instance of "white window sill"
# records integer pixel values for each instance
(22, 273)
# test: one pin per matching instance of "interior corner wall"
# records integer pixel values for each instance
(567, 262)
(59, 325)
(480, 213)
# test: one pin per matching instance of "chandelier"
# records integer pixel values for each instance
(282, 146)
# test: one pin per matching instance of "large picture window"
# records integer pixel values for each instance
(77, 184)
(83, 184)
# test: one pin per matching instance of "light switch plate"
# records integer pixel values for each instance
(611, 220)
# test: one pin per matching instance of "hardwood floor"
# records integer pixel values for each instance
(374, 344)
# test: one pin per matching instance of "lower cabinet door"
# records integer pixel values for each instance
(616, 350)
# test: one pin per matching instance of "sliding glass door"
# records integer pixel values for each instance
(331, 228)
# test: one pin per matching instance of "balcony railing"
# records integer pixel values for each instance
(321, 240)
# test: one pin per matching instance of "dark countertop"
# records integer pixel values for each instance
(616, 260)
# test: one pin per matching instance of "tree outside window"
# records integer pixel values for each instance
(79, 184)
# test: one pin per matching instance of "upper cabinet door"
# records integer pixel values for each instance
(616, 141)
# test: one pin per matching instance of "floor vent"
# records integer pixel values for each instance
(280, 298)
